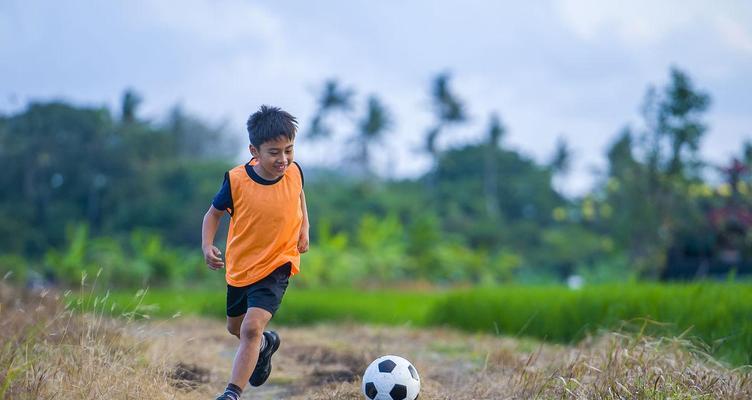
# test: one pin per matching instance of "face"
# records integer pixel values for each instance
(274, 157)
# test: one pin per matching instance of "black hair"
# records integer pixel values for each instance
(269, 123)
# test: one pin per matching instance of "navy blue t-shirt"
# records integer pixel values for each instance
(223, 199)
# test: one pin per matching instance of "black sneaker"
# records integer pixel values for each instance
(264, 365)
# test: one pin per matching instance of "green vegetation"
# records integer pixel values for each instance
(88, 189)
(387, 307)
(301, 306)
(718, 314)
(140, 259)
(95, 193)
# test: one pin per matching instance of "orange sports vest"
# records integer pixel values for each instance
(264, 225)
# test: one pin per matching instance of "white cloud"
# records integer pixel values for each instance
(645, 22)
(735, 34)
(6, 29)
(214, 21)
(638, 21)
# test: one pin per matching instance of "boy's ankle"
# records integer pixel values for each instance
(232, 392)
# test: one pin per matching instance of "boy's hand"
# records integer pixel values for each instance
(213, 257)
(303, 241)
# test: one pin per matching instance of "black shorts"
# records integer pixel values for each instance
(266, 293)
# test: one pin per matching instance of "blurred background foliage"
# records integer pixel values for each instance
(113, 194)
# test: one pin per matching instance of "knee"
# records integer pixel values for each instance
(251, 330)
(234, 329)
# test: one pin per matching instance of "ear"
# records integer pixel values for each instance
(254, 151)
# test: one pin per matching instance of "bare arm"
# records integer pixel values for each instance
(212, 255)
(304, 228)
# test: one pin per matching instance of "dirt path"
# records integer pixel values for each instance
(326, 362)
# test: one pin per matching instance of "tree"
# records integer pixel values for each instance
(196, 139)
(68, 164)
(747, 152)
(129, 106)
(333, 98)
(525, 200)
(371, 129)
(57, 159)
(621, 159)
(490, 176)
(635, 222)
(448, 110)
(561, 160)
(650, 178)
(675, 127)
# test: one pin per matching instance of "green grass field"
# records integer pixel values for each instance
(717, 315)
(299, 306)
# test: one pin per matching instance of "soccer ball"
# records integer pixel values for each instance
(391, 378)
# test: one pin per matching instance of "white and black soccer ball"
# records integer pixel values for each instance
(391, 378)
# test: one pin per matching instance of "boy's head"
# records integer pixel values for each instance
(270, 123)
(271, 132)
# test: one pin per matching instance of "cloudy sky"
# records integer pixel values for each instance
(571, 68)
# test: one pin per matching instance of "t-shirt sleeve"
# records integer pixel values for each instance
(223, 198)
(302, 178)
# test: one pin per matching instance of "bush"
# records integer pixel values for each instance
(141, 260)
(330, 262)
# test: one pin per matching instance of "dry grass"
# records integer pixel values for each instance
(48, 352)
(455, 366)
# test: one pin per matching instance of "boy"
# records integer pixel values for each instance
(268, 232)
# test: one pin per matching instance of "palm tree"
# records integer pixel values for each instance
(561, 161)
(372, 128)
(333, 98)
(448, 110)
(131, 101)
(448, 107)
(496, 131)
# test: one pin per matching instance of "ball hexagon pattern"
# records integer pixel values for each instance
(391, 378)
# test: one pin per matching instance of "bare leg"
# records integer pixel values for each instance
(251, 330)
(233, 325)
